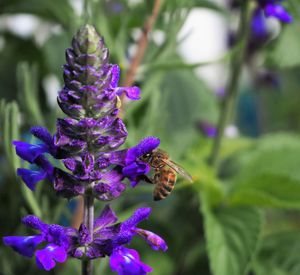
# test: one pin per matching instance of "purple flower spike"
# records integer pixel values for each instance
(127, 262)
(279, 12)
(25, 245)
(31, 177)
(86, 142)
(46, 258)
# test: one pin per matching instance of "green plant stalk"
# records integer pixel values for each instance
(11, 132)
(88, 220)
(236, 66)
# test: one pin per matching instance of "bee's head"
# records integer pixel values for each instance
(146, 157)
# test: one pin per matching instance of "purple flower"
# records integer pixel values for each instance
(273, 8)
(31, 177)
(127, 262)
(25, 245)
(109, 236)
(29, 151)
(279, 12)
(207, 129)
(54, 236)
(47, 257)
(134, 167)
(87, 143)
(259, 29)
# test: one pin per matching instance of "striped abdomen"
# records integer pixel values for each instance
(164, 180)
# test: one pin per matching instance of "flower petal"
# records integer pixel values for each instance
(29, 152)
(132, 93)
(155, 241)
(126, 261)
(25, 245)
(138, 216)
(84, 236)
(279, 12)
(34, 223)
(43, 134)
(146, 145)
(46, 258)
(115, 75)
(106, 218)
(30, 177)
(136, 169)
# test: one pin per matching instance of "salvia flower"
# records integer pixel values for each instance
(53, 237)
(87, 143)
(55, 243)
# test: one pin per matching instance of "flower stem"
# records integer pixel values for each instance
(236, 66)
(85, 11)
(88, 220)
(142, 45)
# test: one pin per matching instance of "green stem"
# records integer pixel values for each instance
(86, 12)
(88, 220)
(236, 66)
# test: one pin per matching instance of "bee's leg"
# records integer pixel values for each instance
(146, 179)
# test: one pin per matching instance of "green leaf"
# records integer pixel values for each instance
(11, 124)
(28, 92)
(210, 4)
(183, 101)
(232, 236)
(58, 11)
(285, 53)
(270, 174)
(279, 254)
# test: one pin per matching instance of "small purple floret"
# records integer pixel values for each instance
(279, 12)
(31, 177)
(126, 261)
(46, 258)
(273, 8)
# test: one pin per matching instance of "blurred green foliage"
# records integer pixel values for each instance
(242, 218)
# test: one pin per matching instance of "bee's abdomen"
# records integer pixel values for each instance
(164, 184)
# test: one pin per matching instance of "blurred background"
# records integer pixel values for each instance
(239, 218)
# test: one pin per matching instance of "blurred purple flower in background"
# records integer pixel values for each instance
(273, 8)
(207, 129)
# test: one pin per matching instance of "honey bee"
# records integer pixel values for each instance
(165, 173)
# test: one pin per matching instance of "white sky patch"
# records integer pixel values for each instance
(77, 6)
(158, 37)
(231, 131)
(52, 86)
(2, 42)
(205, 35)
(23, 25)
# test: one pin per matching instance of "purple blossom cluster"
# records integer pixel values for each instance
(57, 243)
(87, 143)
(273, 8)
(260, 31)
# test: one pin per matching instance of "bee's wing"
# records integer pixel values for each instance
(178, 169)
